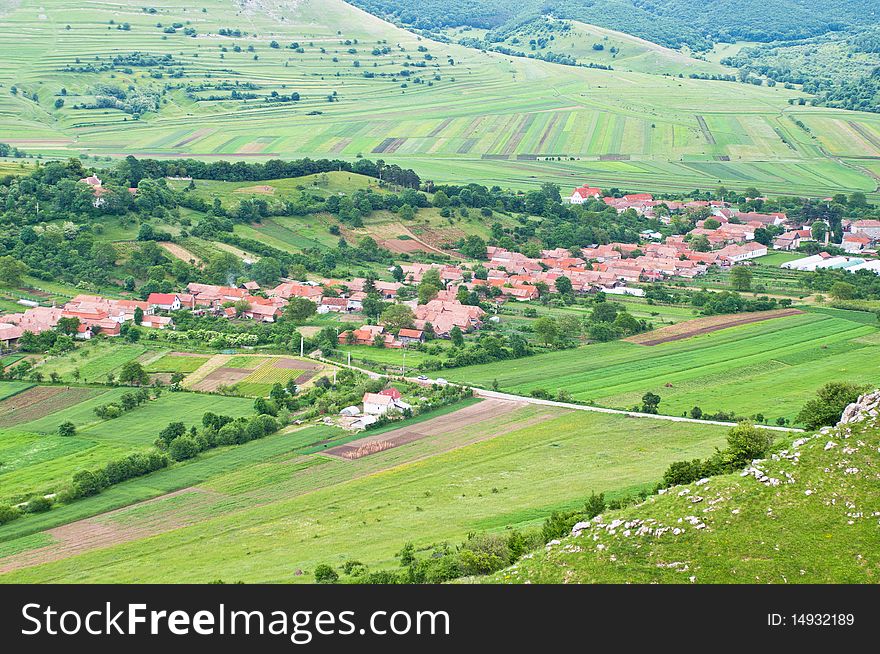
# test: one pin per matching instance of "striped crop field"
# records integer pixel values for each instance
(770, 367)
(368, 88)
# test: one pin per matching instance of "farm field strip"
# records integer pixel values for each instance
(438, 498)
(612, 373)
(591, 113)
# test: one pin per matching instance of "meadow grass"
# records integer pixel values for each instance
(491, 485)
(771, 367)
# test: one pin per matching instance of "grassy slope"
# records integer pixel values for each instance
(282, 517)
(754, 532)
(736, 369)
(443, 129)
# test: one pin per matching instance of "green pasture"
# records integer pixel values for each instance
(771, 367)
(322, 510)
(176, 363)
(94, 360)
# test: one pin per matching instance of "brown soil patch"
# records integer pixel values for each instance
(262, 190)
(401, 247)
(222, 377)
(38, 402)
(706, 325)
(180, 252)
(481, 412)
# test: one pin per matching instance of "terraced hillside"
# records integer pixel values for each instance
(255, 80)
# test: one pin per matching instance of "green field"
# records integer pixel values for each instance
(176, 363)
(795, 532)
(35, 459)
(770, 367)
(450, 112)
(295, 515)
(93, 360)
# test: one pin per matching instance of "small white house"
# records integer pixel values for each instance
(377, 405)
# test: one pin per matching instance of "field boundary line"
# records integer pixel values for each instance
(633, 414)
(497, 395)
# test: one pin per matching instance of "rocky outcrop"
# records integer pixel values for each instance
(865, 408)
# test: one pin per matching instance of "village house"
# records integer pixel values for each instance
(856, 242)
(867, 228)
(287, 290)
(408, 336)
(737, 253)
(444, 315)
(583, 193)
(164, 301)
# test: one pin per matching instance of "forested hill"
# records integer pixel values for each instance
(674, 23)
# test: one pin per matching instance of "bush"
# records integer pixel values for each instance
(183, 448)
(38, 505)
(87, 483)
(746, 442)
(830, 402)
(8, 513)
(324, 574)
(67, 429)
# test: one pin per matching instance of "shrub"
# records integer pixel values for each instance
(324, 574)
(38, 505)
(8, 513)
(830, 402)
(182, 448)
(67, 429)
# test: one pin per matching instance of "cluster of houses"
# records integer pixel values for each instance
(96, 315)
(737, 227)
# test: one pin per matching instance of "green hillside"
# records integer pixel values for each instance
(807, 514)
(254, 81)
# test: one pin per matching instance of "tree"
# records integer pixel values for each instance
(133, 373)
(183, 448)
(397, 317)
(563, 285)
(456, 336)
(741, 278)
(474, 247)
(379, 341)
(818, 230)
(843, 291)
(650, 402)
(711, 223)
(604, 312)
(397, 273)
(11, 271)
(746, 442)
(547, 330)
(67, 325)
(700, 243)
(67, 429)
(138, 315)
(298, 309)
(696, 413)
(829, 403)
(266, 271)
(324, 574)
